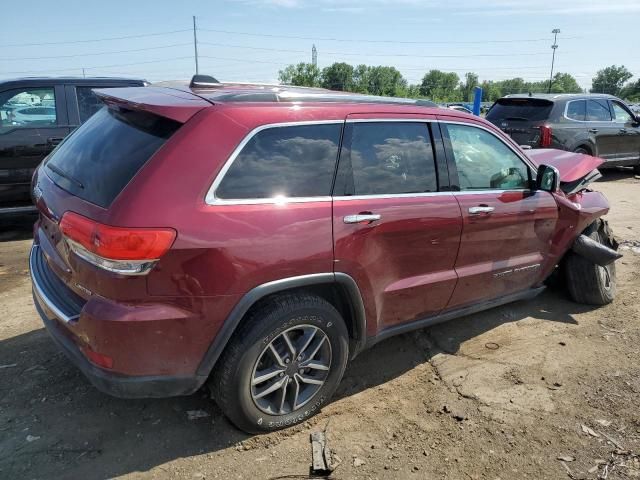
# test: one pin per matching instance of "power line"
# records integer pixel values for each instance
(95, 53)
(467, 55)
(328, 39)
(142, 35)
(99, 66)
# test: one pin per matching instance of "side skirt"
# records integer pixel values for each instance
(451, 314)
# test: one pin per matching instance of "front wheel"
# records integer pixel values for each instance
(283, 364)
(587, 282)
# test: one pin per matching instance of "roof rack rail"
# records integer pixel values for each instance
(204, 81)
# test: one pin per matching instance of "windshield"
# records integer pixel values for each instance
(523, 109)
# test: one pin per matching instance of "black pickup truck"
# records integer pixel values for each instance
(35, 115)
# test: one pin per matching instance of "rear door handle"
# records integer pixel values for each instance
(362, 218)
(623, 130)
(593, 130)
(480, 209)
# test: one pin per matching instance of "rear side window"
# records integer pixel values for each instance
(103, 155)
(524, 109)
(293, 161)
(598, 111)
(88, 102)
(577, 110)
(387, 158)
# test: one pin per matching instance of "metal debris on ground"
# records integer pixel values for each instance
(322, 463)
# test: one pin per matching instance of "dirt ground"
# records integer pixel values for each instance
(538, 389)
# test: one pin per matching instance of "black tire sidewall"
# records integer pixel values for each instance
(249, 417)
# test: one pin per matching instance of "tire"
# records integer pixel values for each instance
(636, 169)
(582, 150)
(249, 355)
(587, 282)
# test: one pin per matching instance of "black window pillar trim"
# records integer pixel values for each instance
(238, 312)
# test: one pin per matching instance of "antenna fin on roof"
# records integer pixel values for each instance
(204, 81)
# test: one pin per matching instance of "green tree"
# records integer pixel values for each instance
(361, 79)
(490, 91)
(565, 83)
(338, 76)
(440, 86)
(631, 91)
(386, 81)
(466, 88)
(610, 80)
(302, 74)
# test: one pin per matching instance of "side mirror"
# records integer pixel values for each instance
(548, 179)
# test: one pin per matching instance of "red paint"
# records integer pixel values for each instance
(426, 255)
(572, 166)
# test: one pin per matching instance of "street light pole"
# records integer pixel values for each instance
(555, 32)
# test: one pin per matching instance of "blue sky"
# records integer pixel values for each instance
(250, 40)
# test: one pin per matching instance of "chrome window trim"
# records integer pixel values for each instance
(212, 200)
(566, 108)
(210, 197)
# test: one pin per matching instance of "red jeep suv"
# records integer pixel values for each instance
(256, 238)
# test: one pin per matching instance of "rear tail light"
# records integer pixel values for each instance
(545, 136)
(96, 358)
(128, 251)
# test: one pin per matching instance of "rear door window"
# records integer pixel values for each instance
(577, 110)
(291, 161)
(523, 109)
(387, 158)
(598, 111)
(103, 155)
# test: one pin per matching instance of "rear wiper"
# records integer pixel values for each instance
(64, 174)
(517, 118)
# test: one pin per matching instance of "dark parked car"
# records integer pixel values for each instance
(257, 238)
(35, 115)
(600, 125)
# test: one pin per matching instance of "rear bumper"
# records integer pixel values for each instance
(59, 309)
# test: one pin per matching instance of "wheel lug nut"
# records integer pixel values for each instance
(282, 374)
(301, 371)
(286, 360)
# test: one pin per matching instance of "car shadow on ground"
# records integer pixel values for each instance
(78, 432)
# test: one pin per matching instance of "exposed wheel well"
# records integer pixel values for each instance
(585, 147)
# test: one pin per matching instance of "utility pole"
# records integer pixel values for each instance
(195, 43)
(314, 56)
(555, 32)
(83, 75)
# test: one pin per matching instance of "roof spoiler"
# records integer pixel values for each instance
(174, 104)
(204, 81)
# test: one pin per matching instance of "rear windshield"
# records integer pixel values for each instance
(524, 109)
(103, 155)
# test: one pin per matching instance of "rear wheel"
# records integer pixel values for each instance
(636, 169)
(587, 282)
(283, 365)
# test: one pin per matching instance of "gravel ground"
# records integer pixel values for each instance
(538, 389)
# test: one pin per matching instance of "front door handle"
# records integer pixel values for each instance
(593, 130)
(54, 140)
(362, 218)
(480, 209)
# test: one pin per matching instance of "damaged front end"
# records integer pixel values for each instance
(583, 241)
